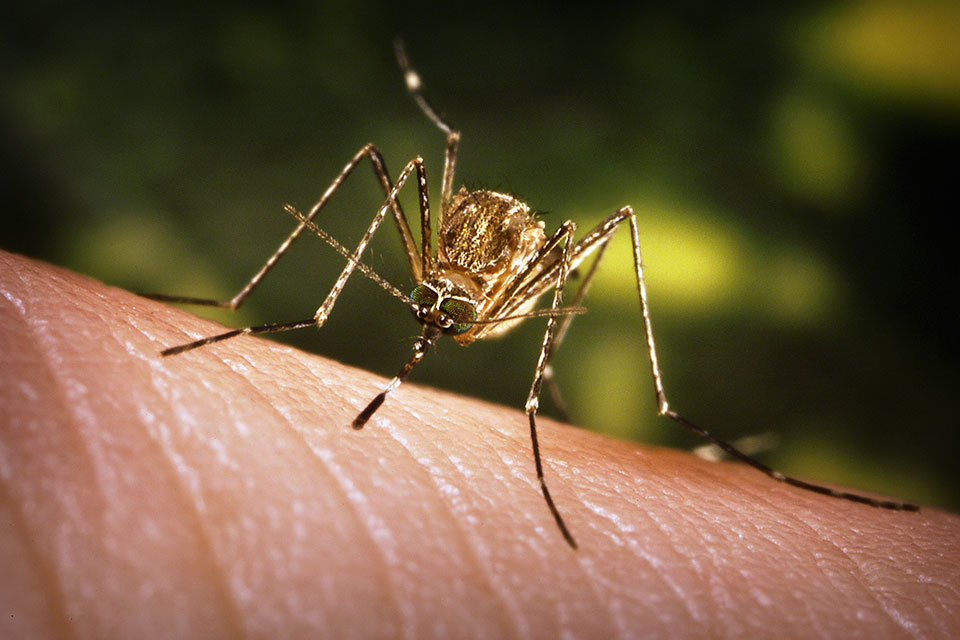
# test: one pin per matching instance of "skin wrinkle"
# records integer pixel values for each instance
(859, 576)
(856, 574)
(695, 564)
(886, 608)
(349, 489)
(392, 433)
(408, 626)
(473, 550)
(226, 363)
(711, 545)
(933, 583)
(587, 570)
(522, 628)
(55, 618)
(751, 529)
(603, 515)
(613, 489)
(54, 599)
(654, 568)
(504, 463)
(526, 472)
(224, 588)
(384, 427)
(938, 602)
(37, 337)
(615, 612)
(940, 605)
(713, 579)
(535, 487)
(638, 485)
(811, 617)
(758, 499)
(220, 568)
(840, 590)
(514, 468)
(218, 577)
(362, 522)
(36, 332)
(723, 580)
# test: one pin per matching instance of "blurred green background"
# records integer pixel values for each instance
(794, 168)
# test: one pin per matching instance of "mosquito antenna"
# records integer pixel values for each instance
(415, 87)
(342, 250)
(424, 342)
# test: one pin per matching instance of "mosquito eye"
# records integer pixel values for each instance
(462, 313)
(423, 296)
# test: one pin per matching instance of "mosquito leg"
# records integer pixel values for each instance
(323, 311)
(383, 178)
(415, 87)
(663, 407)
(245, 331)
(559, 404)
(533, 399)
(548, 374)
(346, 253)
(449, 164)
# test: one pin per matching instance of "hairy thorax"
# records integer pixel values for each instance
(486, 242)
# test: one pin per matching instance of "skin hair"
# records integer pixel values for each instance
(222, 493)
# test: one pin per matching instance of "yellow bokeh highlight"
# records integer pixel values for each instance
(619, 399)
(690, 261)
(144, 242)
(698, 264)
(840, 462)
(144, 249)
(815, 154)
(796, 288)
(907, 48)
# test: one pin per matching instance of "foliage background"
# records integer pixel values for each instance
(793, 166)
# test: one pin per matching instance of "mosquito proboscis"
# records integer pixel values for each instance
(492, 263)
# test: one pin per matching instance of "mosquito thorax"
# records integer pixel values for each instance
(435, 304)
(483, 233)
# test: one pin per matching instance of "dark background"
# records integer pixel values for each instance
(794, 170)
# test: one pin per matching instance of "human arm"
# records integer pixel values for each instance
(222, 492)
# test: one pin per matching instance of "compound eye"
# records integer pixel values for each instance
(423, 296)
(462, 314)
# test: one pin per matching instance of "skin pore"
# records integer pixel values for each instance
(222, 493)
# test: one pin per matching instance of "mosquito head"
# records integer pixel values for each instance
(450, 314)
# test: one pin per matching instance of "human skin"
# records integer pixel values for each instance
(222, 493)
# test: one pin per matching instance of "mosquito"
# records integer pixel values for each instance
(492, 264)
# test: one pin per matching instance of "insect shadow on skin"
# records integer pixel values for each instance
(492, 263)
